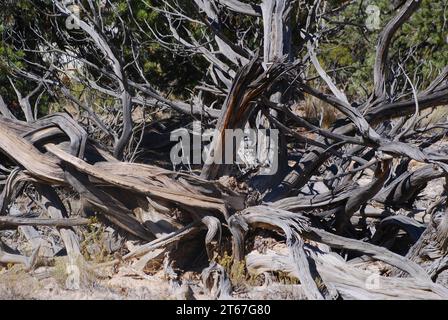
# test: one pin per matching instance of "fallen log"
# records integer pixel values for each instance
(8, 222)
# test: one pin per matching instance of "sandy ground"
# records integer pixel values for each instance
(17, 284)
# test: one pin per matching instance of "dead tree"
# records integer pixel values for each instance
(321, 205)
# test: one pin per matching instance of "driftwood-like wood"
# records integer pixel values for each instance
(13, 222)
(345, 214)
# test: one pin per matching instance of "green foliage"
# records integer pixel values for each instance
(93, 247)
(351, 53)
(347, 51)
(235, 269)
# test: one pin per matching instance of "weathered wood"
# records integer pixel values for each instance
(348, 281)
(28, 262)
(7, 222)
(341, 191)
